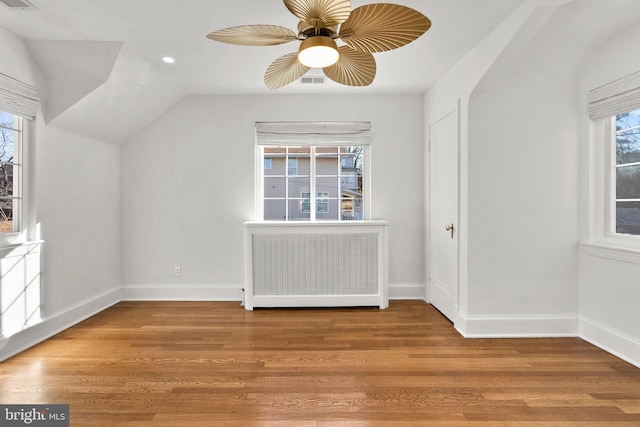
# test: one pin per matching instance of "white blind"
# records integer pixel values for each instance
(313, 133)
(18, 98)
(616, 97)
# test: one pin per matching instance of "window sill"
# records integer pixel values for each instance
(612, 251)
(10, 239)
(365, 223)
(20, 249)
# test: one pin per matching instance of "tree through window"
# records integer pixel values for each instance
(627, 173)
(10, 172)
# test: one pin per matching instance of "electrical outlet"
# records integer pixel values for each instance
(177, 271)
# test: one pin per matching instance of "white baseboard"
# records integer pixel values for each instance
(182, 292)
(234, 292)
(610, 340)
(56, 323)
(408, 291)
(472, 326)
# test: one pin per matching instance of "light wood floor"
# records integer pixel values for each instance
(211, 363)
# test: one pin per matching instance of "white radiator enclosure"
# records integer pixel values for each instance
(320, 264)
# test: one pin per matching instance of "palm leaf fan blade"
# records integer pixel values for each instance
(254, 35)
(382, 26)
(354, 68)
(283, 71)
(330, 12)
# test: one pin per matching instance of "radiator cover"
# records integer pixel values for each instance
(311, 265)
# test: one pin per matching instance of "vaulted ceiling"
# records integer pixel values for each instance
(105, 78)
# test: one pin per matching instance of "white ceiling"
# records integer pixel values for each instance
(140, 87)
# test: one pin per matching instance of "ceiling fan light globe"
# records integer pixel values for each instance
(318, 52)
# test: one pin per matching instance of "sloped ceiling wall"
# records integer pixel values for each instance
(72, 69)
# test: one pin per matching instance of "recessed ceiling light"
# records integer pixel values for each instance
(168, 60)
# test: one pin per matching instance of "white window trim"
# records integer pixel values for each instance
(336, 134)
(22, 215)
(609, 192)
(603, 102)
(603, 242)
(259, 186)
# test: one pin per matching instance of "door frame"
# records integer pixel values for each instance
(442, 114)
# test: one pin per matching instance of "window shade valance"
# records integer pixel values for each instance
(313, 133)
(614, 98)
(18, 98)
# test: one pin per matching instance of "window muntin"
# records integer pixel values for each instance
(626, 174)
(10, 172)
(326, 177)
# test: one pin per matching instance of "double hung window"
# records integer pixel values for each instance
(625, 174)
(10, 172)
(19, 103)
(615, 111)
(314, 176)
(312, 171)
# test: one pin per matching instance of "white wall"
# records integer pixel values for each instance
(16, 60)
(78, 203)
(530, 156)
(188, 186)
(482, 68)
(74, 197)
(520, 163)
(609, 288)
(523, 172)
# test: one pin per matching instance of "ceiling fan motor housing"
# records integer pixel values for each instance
(318, 52)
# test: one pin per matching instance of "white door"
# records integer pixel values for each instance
(443, 214)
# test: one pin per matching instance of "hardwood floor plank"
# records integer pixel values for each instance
(213, 363)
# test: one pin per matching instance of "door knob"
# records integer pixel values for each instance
(450, 228)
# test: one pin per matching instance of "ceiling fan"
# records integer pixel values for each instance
(366, 30)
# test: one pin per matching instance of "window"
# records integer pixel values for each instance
(292, 165)
(322, 203)
(625, 173)
(304, 176)
(614, 169)
(305, 205)
(19, 104)
(10, 172)
(316, 171)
